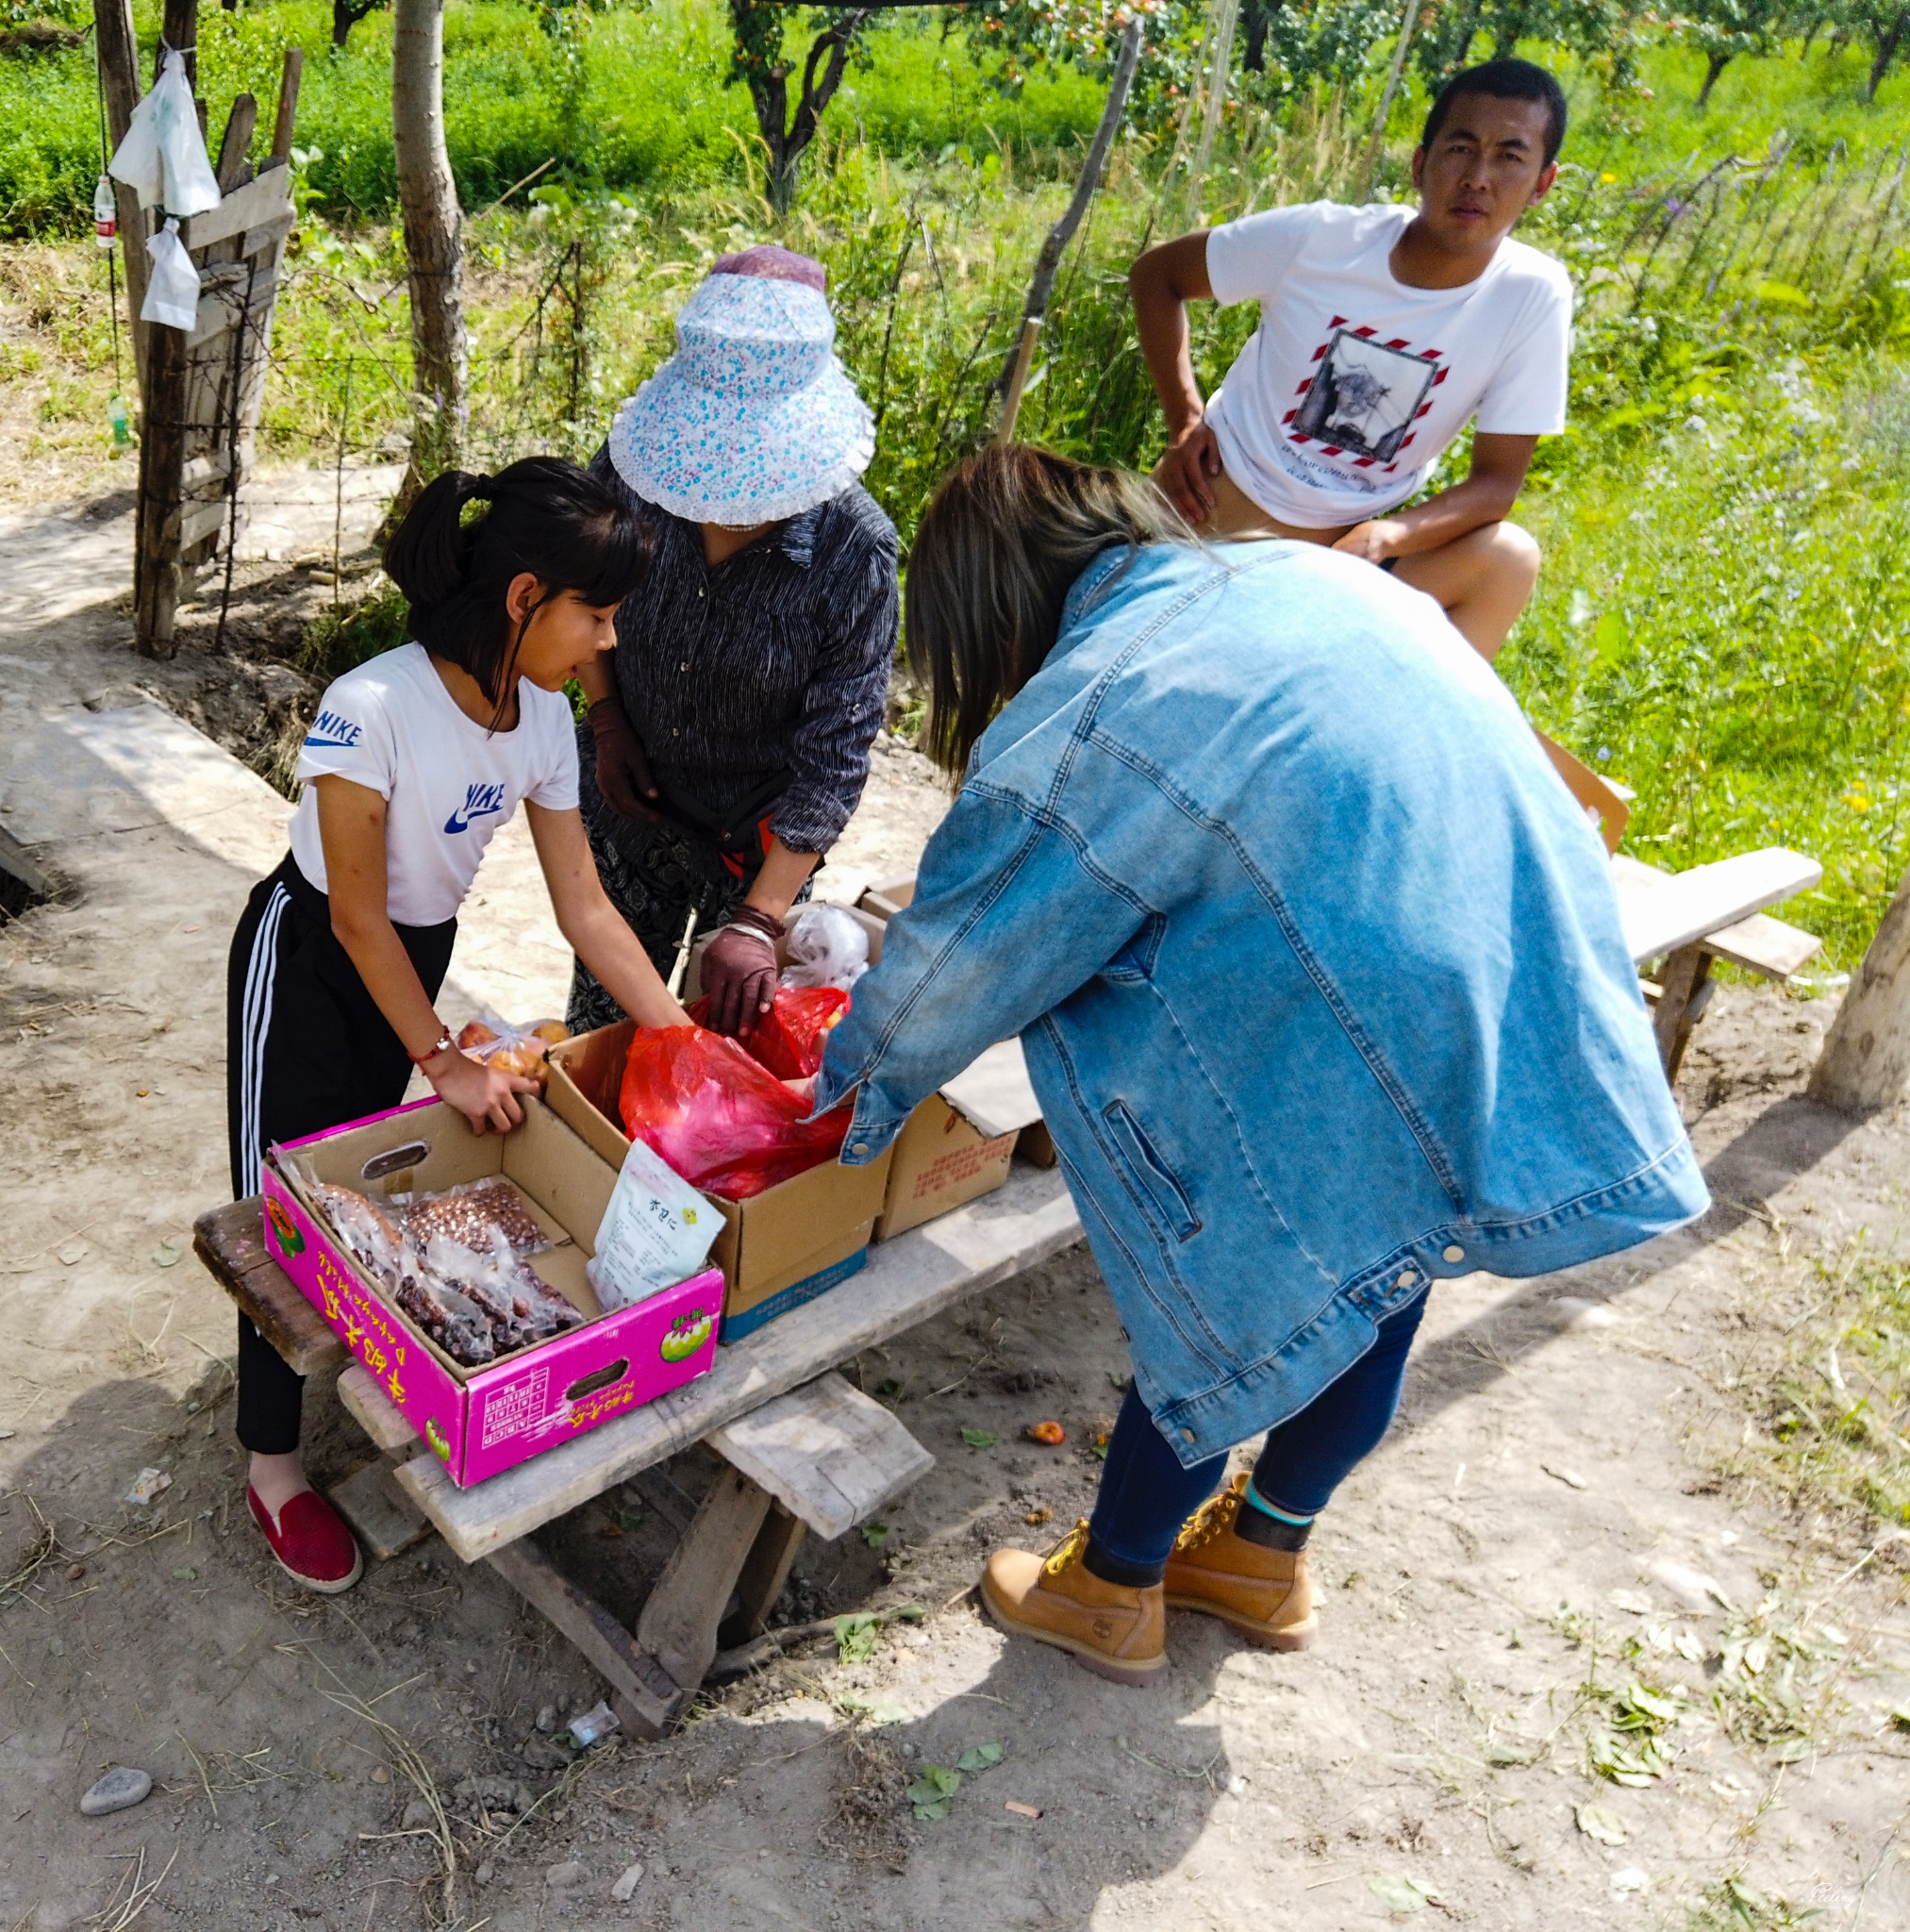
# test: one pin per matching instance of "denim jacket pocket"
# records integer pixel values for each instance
(1156, 1176)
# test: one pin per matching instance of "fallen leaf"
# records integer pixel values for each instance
(184, 1573)
(1602, 1822)
(1021, 1810)
(1400, 1894)
(979, 1758)
(1792, 1750)
(1053, 1434)
(979, 1439)
(1900, 1717)
(876, 1534)
(910, 1613)
(1569, 1477)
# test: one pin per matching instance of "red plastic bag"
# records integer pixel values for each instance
(724, 1121)
(790, 1042)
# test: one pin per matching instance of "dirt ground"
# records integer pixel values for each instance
(1554, 1520)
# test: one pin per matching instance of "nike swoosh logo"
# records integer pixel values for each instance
(460, 820)
(335, 744)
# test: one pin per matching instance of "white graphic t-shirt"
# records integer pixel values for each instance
(448, 783)
(1354, 383)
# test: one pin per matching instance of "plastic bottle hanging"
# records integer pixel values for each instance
(122, 423)
(106, 217)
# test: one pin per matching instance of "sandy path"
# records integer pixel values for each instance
(1552, 1474)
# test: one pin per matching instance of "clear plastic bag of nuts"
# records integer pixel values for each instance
(466, 1215)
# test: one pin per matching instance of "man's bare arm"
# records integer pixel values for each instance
(1162, 283)
(1487, 496)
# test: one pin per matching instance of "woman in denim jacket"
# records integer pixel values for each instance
(1320, 979)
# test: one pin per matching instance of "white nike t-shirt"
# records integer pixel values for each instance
(1354, 383)
(391, 726)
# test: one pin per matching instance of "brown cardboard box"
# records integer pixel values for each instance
(778, 1249)
(886, 897)
(958, 1144)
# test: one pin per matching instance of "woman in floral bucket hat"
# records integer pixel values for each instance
(729, 730)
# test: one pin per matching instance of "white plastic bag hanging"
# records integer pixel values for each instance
(173, 286)
(164, 158)
(826, 947)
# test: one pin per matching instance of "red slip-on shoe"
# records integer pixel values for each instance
(312, 1544)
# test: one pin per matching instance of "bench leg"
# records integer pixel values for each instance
(1685, 989)
(645, 1697)
(679, 1622)
(765, 1571)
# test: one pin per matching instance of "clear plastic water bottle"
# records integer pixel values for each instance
(122, 423)
(106, 214)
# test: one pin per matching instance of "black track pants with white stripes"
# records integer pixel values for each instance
(305, 1049)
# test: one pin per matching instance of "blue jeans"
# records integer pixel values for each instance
(1146, 1494)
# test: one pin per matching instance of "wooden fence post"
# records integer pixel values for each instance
(1866, 1058)
(1014, 376)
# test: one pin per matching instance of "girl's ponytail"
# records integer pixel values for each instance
(429, 556)
(543, 516)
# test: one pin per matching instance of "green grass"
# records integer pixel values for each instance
(648, 106)
(1719, 618)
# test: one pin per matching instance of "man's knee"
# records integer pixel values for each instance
(1516, 556)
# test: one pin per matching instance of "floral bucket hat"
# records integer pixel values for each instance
(753, 419)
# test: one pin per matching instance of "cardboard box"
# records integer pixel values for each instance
(778, 1249)
(958, 1144)
(480, 1420)
(886, 897)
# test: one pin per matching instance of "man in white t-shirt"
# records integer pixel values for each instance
(1382, 332)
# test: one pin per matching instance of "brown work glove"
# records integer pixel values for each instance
(740, 972)
(623, 774)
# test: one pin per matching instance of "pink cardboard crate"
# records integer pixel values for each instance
(479, 1422)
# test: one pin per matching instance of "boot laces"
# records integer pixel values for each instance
(1215, 1516)
(1068, 1552)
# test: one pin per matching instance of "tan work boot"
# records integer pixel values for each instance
(1262, 1593)
(1112, 1629)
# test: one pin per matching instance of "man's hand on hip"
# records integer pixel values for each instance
(1185, 472)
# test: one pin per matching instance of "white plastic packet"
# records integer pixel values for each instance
(655, 1233)
(826, 947)
(173, 287)
(164, 158)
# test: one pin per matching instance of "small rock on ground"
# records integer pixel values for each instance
(123, 1786)
(570, 1872)
(627, 1884)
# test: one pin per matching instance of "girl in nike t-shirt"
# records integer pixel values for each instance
(412, 763)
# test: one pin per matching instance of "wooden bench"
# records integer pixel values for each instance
(802, 1450)
(1687, 920)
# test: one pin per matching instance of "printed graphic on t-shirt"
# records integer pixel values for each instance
(480, 802)
(1364, 396)
(332, 732)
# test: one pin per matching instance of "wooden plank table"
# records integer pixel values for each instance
(1691, 918)
(801, 1448)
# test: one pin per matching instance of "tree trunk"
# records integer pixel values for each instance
(1719, 63)
(1255, 18)
(434, 242)
(1048, 263)
(1865, 1056)
(787, 158)
(1886, 52)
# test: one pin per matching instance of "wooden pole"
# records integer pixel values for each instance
(1048, 263)
(288, 107)
(163, 431)
(1865, 1059)
(119, 72)
(434, 240)
(1226, 17)
(1386, 106)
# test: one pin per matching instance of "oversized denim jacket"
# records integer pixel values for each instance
(1317, 965)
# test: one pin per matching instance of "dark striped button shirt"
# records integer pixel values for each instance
(776, 659)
